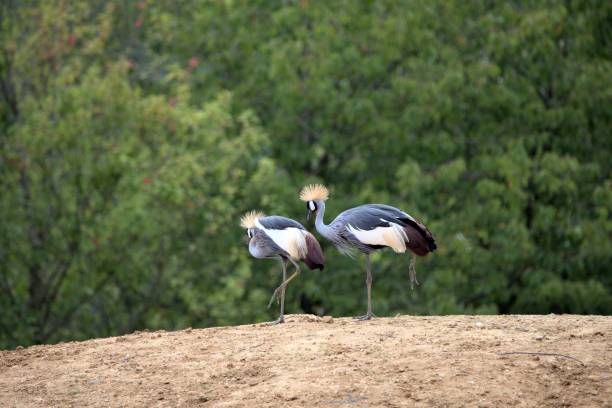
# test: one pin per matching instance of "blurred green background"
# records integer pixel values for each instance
(135, 133)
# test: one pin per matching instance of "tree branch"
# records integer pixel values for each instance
(7, 289)
(7, 88)
(55, 281)
(80, 303)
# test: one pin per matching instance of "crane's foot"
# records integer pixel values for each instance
(367, 316)
(276, 295)
(277, 321)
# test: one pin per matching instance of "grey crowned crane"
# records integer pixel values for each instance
(276, 237)
(368, 228)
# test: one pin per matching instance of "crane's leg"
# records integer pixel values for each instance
(283, 285)
(369, 314)
(412, 272)
(281, 317)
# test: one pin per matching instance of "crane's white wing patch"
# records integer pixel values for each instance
(392, 236)
(290, 240)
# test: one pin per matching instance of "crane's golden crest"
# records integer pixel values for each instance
(248, 219)
(314, 192)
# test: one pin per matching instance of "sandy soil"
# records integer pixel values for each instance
(324, 362)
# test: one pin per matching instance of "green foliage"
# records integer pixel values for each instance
(134, 135)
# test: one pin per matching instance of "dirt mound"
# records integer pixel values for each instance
(324, 362)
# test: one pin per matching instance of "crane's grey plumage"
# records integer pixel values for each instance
(263, 247)
(279, 223)
(276, 237)
(368, 228)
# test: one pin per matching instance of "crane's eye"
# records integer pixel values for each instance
(312, 206)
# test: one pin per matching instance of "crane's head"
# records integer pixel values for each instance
(248, 221)
(314, 195)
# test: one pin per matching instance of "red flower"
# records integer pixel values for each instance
(138, 23)
(72, 39)
(147, 180)
(193, 62)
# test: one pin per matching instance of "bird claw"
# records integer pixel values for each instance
(367, 316)
(275, 295)
(277, 321)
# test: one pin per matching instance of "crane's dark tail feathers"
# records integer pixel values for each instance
(420, 239)
(314, 257)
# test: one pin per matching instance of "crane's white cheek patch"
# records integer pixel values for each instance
(392, 236)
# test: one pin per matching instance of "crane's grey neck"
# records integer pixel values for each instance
(323, 229)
